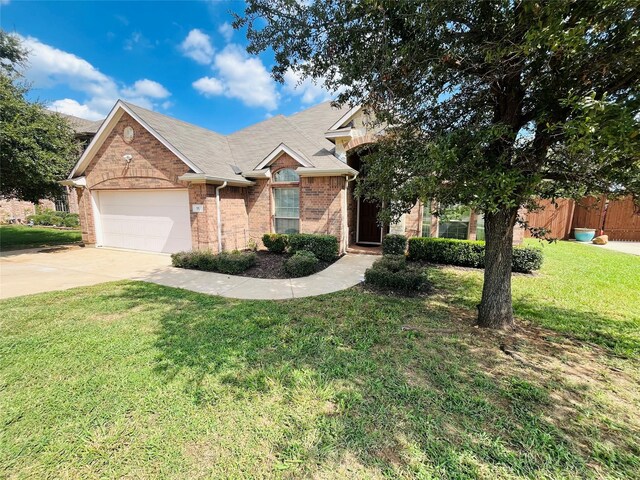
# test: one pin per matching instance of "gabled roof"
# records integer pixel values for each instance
(225, 158)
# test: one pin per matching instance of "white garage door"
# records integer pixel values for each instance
(155, 221)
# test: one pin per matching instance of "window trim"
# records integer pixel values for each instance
(284, 182)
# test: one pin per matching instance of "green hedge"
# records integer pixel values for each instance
(301, 264)
(467, 253)
(53, 218)
(394, 274)
(275, 242)
(225, 262)
(324, 247)
(394, 244)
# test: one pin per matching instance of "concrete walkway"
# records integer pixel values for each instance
(625, 247)
(345, 273)
(35, 271)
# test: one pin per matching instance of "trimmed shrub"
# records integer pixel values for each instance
(324, 247)
(230, 263)
(449, 251)
(526, 259)
(275, 242)
(394, 263)
(301, 264)
(392, 274)
(72, 220)
(466, 253)
(394, 244)
(196, 260)
(235, 262)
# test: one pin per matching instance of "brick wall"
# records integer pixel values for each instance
(413, 221)
(235, 220)
(152, 166)
(320, 204)
(12, 209)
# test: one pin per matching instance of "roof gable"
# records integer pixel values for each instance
(107, 127)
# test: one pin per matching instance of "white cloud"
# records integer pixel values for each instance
(240, 76)
(197, 46)
(226, 30)
(5, 2)
(49, 66)
(209, 86)
(72, 107)
(146, 88)
(309, 90)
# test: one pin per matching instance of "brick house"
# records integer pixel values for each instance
(13, 210)
(151, 182)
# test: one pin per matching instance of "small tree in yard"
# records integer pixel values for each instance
(488, 103)
(36, 148)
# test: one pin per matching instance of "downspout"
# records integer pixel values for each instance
(345, 228)
(219, 215)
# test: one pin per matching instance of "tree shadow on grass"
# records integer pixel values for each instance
(372, 384)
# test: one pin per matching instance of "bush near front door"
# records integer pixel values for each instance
(467, 253)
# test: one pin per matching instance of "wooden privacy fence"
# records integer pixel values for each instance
(620, 220)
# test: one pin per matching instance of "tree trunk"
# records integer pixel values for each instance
(495, 309)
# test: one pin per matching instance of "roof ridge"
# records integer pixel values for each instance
(317, 144)
(129, 104)
(279, 115)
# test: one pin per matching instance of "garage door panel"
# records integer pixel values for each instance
(155, 221)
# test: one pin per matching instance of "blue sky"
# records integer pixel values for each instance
(179, 58)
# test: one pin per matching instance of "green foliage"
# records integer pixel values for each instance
(526, 259)
(324, 247)
(466, 253)
(71, 220)
(491, 102)
(392, 273)
(53, 218)
(301, 264)
(393, 263)
(235, 262)
(230, 263)
(275, 242)
(448, 251)
(12, 54)
(394, 244)
(37, 148)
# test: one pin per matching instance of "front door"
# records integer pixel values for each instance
(369, 232)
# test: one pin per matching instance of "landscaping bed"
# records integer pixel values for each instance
(289, 256)
(271, 265)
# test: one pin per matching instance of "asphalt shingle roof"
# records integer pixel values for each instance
(215, 154)
(80, 125)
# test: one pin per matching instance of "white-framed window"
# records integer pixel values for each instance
(480, 226)
(287, 210)
(286, 202)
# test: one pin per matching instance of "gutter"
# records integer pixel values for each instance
(204, 178)
(325, 172)
(219, 216)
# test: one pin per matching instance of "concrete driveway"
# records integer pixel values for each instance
(33, 271)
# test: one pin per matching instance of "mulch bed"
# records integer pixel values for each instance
(271, 265)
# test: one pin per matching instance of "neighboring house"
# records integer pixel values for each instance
(151, 182)
(13, 210)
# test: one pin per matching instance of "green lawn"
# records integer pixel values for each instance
(130, 379)
(13, 237)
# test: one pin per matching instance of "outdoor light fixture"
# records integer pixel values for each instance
(127, 158)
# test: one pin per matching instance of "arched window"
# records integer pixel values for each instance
(286, 175)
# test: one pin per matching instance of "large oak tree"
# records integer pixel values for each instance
(488, 103)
